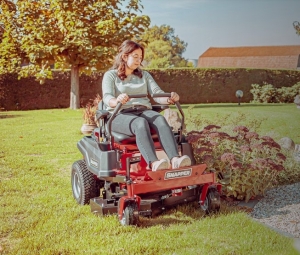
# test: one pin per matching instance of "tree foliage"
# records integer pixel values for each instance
(79, 34)
(10, 52)
(163, 49)
(158, 54)
(296, 25)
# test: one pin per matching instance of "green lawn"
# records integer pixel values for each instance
(38, 214)
(275, 120)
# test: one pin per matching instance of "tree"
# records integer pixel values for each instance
(163, 47)
(79, 34)
(296, 25)
(158, 54)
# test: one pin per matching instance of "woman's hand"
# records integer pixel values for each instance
(173, 98)
(123, 98)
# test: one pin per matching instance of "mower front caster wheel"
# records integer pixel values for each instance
(212, 201)
(128, 215)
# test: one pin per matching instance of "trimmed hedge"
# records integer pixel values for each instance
(195, 85)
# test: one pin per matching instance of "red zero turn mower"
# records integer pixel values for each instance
(113, 166)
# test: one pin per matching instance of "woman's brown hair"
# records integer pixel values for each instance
(125, 49)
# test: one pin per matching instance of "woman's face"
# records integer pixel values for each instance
(134, 59)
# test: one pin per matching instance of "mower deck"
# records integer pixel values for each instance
(148, 207)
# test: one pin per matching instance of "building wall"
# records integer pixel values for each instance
(276, 62)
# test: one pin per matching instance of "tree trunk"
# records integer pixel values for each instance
(74, 95)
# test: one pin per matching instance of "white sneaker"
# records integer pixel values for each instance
(160, 165)
(181, 162)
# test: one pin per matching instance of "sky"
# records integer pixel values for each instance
(226, 23)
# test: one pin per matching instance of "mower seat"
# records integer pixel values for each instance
(126, 139)
(122, 138)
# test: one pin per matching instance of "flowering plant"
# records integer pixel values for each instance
(90, 111)
(246, 164)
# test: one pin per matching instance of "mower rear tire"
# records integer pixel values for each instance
(212, 201)
(84, 185)
(128, 216)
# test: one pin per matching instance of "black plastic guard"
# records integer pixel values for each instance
(99, 159)
(186, 149)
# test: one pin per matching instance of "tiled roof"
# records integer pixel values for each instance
(286, 50)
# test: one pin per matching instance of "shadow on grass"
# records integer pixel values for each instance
(8, 116)
(184, 214)
(229, 105)
(165, 221)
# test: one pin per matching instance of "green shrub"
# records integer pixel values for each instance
(287, 94)
(263, 94)
(267, 93)
(246, 164)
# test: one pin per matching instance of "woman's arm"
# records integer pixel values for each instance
(108, 87)
(153, 88)
(108, 91)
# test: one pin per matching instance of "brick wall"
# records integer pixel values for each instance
(274, 62)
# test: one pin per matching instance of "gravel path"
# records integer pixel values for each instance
(280, 209)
